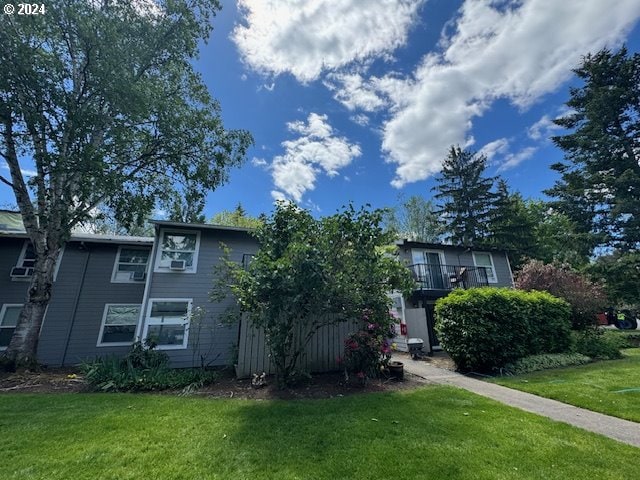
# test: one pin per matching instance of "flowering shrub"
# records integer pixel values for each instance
(368, 351)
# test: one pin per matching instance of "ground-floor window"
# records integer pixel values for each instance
(119, 324)
(167, 322)
(8, 320)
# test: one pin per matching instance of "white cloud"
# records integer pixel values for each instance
(26, 172)
(543, 128)
(518, 50)
(514, 159)
(258, 162)
(491, 149)
(307, 38)
(360, 119)
(315, 150)
(354, 92)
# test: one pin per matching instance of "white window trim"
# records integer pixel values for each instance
(100, 343)
(3, 312)
(147, 317)
(493, 267)
(23, 252)
(115, 265)
(158, 268)
(428, 250)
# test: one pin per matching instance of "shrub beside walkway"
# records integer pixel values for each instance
(615, 428)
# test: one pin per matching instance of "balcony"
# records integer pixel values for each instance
(448, 277)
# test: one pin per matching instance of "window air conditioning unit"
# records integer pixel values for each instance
(21, 272)
(138, 276)
(178, 265)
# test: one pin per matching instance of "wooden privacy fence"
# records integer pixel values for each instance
(320, 355)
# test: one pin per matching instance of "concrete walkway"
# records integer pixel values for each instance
(612, 427)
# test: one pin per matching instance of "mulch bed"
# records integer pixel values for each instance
(326, 385)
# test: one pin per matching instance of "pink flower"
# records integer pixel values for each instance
(371, 326)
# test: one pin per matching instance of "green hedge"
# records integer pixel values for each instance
(483, 329)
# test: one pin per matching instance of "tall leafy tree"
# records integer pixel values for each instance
(599, 188)
(235, 218)
(103, 99)
(466, 196)
(416, 219)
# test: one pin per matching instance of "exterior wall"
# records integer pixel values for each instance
(208, 337)
(83, 289)
(80, 291)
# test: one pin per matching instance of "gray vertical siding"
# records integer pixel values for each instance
(209, 337)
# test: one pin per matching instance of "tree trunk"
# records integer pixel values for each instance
(22, 350)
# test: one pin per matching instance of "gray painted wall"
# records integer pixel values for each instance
(459, 256)
(216, 341)
(77, 307)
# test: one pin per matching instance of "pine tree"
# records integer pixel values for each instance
(466, 196)
(599, 188)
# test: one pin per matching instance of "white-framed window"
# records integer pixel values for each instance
(175, 247)
(27, 261)
(131, 264)
(119, 323)
(485, 259)
(9, 314)
(167, 322)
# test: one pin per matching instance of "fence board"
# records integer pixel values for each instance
(321, 354)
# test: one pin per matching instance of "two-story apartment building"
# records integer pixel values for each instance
(438, 269)
(110, 291)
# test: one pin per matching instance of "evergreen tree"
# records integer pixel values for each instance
(599, 189)
(512, 226)
(235, 218)
(466, 196)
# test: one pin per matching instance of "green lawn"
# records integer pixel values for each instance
(432, 432)
(611, 387)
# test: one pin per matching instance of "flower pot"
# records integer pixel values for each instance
(396, 370)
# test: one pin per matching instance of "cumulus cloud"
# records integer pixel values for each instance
(307, 38)
(514, 50)
(543, 128)
(514, 159)
(315, 150)
(491, 149)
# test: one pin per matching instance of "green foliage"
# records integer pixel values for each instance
(483, 329)
(143, 369)
(465, 195)
(511, 226)
(368, 351)
(585, 297)
(415, 219)
(620, 274)
(623, 339)
(309, 273)
(235, 218)
(545, 361)
(104, 99)
(600, 175)
(593, 343)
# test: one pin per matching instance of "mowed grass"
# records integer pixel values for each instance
(611, 387)
(432, 432)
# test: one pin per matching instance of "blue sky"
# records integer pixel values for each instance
(358, 104)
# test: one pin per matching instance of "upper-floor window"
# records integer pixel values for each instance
(9, 314)
(23, 269)
(482, 259)
(178, 251)
(131, 264)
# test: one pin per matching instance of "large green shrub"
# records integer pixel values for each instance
(595, 344)
(534, 363)
(484, 329)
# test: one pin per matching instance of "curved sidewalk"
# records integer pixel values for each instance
(612, 427)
